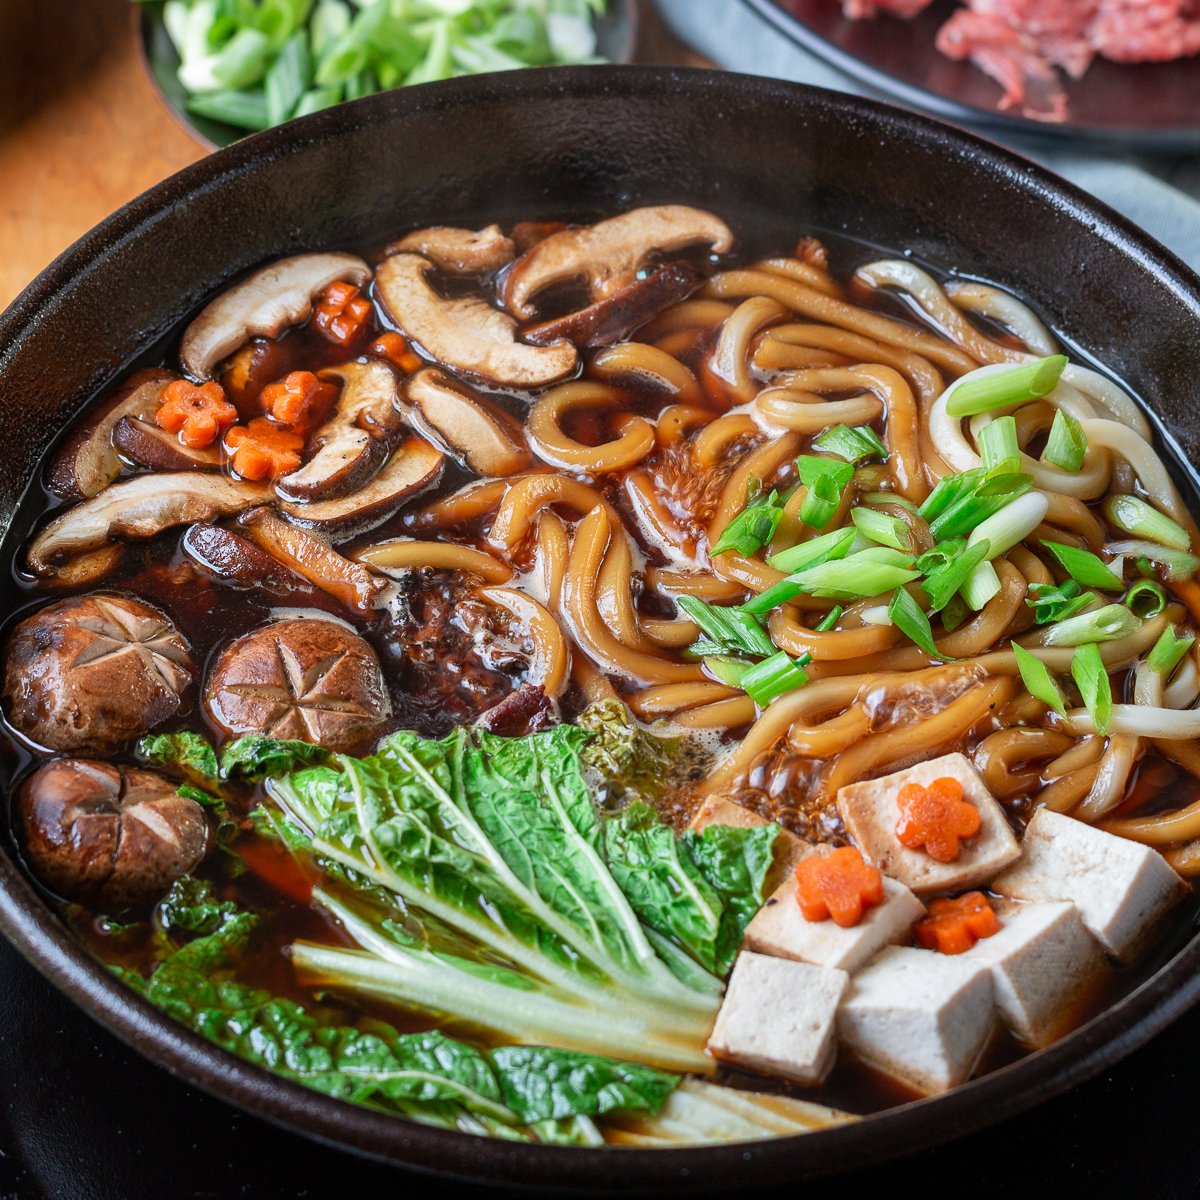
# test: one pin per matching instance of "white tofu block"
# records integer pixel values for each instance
(780, 929)
(779, 1018)
(1047, 970)
(789, 849)
(1123, 890)
(871, 813)
(921, 1016)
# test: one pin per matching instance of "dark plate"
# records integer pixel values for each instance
(1147, 106)
(555, 142)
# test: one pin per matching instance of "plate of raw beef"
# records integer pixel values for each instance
(1122, 71)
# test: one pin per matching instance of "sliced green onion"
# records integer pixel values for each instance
(1057, 601)
(998, 443)
(729, 628)
(1038, 681)
(1101, 625)
(982, 584)
(1145, 599)
(773, 677)
(988, 388)
(1168, 652)
(246, 110)
(1091, 677)
(878, 498)
(885, 554)
(1067, 443)
(854, 578)
(751, 529)
(942, 584)
(941, 554)
(830, 619)
(854, 445)
(879, 527)
(812, 468)
(989, 497)
(955, 613)
(1176, 564)
(816, 550)
(820, 502)
(1086, 568)
(948, 491)
(877, 614)
(729, 671)
(1012, 524)
(1131, 515)
(287, 79)
(908, 617)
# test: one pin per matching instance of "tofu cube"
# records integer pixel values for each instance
(922, 1017)
(789, 849)
(779, 1018)
(780, 928)
(1047, 970)
(1123, 890)
(870, 811)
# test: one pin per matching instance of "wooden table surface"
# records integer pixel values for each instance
(83, 129)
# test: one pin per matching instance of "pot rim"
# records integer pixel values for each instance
(42, 938)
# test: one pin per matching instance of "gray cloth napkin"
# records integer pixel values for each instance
(1162, 195)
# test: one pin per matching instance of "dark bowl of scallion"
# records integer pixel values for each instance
(227, 68)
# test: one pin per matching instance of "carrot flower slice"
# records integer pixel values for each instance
(299, 399)
(198, 413)
(342, 313)
(840, 886)
(396, 350)
(936, 818)
(263, 450)
(954, 926)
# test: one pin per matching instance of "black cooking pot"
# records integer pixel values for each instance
(585, 140)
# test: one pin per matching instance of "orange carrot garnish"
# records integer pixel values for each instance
(342, 314)
(198, 413)
(299, 400)
(953, 926)
(841, 886)
(397, 351)
(935, 818)
(263, 450)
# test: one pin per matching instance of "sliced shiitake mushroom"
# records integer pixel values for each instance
(606, 256)
(615, 317)
(414, 467)
(87, 462)
(348, 582)
(466, 334)
(238, 561)
(263, 304)
(458, 251)
(141, 507)
(485, 437)
(353, 444)
(108, 836)
(148, 445)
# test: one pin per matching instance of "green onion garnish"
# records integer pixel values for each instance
(942, 584)
(820, 502)
(816, 550)
(1176, 564)
(1101, 625)
(1067, 443)
(1146, 599)
(1038, 681)
(726, 670)
(986, 499)
(955, 612)
(950, 489)
(1086, 568)
(1131, 515)
(830, 619)
(854, 445)
(879, 527)
(1057, 601)
(908, 617)
(982, 584)
(730, 628)
(245, 109)
(1168, 652)
(1091, 677)
(853, 578)
(986, 389)
(1012, 524)
(998, 443)
(812, 468)
(877, 498)
(772, 677)
(751, 529)
(941, 554)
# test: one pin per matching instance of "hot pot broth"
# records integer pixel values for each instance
(491, 517)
